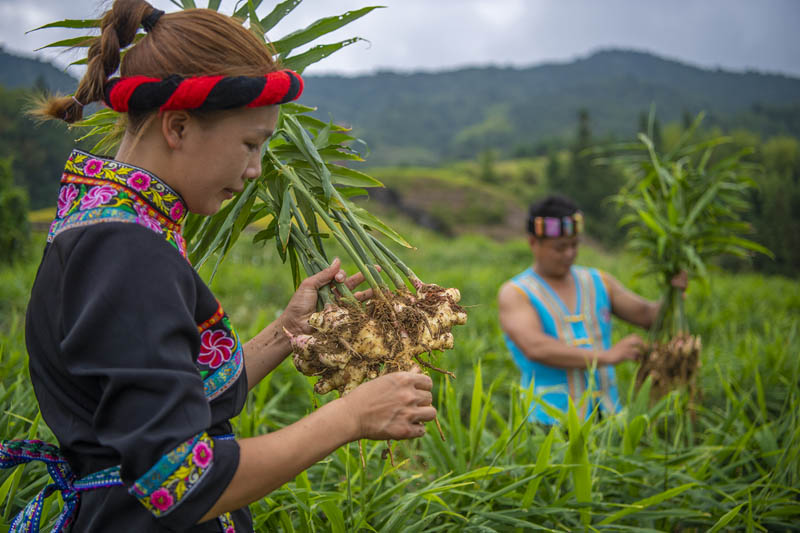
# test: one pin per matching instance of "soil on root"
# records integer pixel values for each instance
(393, 324)
(671, 365)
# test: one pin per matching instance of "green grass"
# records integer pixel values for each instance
(729, 462)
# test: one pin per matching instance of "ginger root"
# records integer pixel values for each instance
(351, 345)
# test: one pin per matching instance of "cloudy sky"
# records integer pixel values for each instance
(411, 35)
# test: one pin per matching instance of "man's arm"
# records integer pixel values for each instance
(520, 321)
(629, 306)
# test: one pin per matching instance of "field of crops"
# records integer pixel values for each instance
(730, 462)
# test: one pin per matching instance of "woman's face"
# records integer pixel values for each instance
(218, 155)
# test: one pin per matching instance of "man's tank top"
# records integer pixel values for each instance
(587, 326)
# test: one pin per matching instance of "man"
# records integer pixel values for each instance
(557, 317)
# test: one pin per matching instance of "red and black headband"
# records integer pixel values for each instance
(206, 93)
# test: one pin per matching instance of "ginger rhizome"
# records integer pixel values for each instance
(351, 345)
(671, 364)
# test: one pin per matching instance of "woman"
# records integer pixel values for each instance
(136, 366)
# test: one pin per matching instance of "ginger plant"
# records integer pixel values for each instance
(682, 209)
(405, 318)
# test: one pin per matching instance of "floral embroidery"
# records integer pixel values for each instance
(97, 196)
(202, 455)
(139, 181)
(156, 193)
(226, 373)
(109, 191)
(66, 196)
(93, 167)
(161, 499)
(180, 243)
(215, 348)
(146, 220)
(226, 521)
(177, 211)
(225, 376)
(162, 488)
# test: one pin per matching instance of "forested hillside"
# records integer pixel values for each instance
(427, 118)
(24, 72)
(424, 117)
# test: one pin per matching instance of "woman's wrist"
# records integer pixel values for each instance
(270, 339)
(287, 323)
(341, 409)
(280, 327)
(264, 352)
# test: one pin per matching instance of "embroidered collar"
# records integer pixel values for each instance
(96, 189)
(157, 193)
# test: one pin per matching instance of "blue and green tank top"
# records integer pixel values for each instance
(587, 326)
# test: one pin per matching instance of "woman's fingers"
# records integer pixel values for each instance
(424, 414)
(394, 406)
(357, 279)
(323, 277)
(335, 273)
(425, 398)
(362, 296)
(421, 381)
(354, 281)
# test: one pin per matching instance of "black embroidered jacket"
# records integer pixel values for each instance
(133, 361)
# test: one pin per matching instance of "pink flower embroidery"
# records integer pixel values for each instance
(139, 181)
(215, 348)
(161, 499)
(202, 454)
(146, 220)
(66, 196)
(177, 211)
(93, 167)
(230, 529)
(97, 196)
(181, 242)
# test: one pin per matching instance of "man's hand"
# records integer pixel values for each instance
(680, 281)
(628, 349)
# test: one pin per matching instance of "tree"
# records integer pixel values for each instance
(15, 229)
(587, 183)
(776, 205)
(486, 160)
(38, 150)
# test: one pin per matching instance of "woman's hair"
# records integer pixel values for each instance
(554, 205)
(193, 42)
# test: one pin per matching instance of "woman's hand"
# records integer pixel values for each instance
(393, 406)
(304, 301)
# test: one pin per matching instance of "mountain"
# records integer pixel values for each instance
(22, 72)
(408, 118)
(427, 118)
(37, 151)
(424, 117)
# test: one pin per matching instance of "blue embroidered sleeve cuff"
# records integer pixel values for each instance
(188, 480)
(168, 483)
